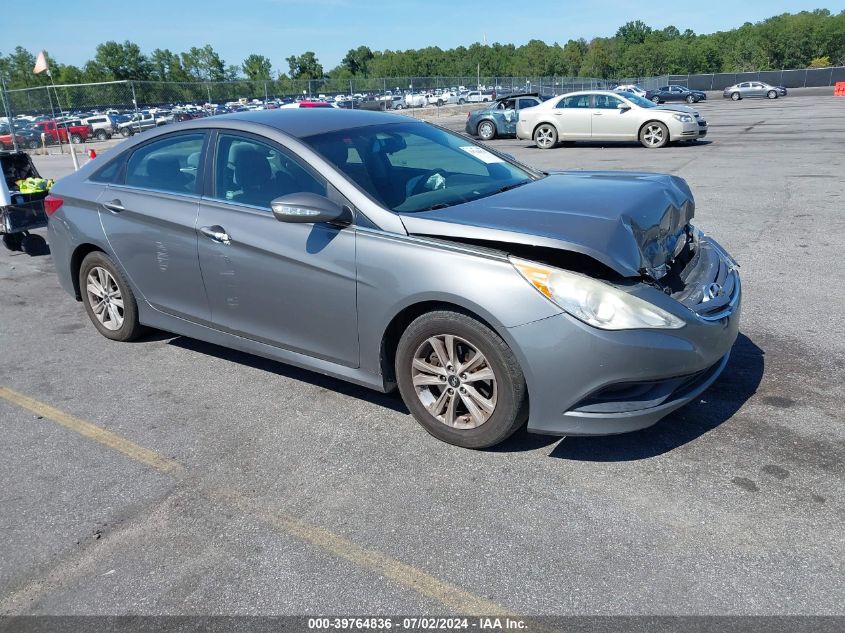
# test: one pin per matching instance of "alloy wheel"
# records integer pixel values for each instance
(653, 135)
(454, 381)
(105, 298)
(544, 137)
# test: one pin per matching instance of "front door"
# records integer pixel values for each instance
(149, 217)
(288, 285)
(609, 122)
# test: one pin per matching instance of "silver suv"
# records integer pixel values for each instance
(103, 125)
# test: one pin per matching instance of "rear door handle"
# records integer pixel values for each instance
(216, 233)
(115, 206)
(597, 113)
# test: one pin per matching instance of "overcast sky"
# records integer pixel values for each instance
(280, 28)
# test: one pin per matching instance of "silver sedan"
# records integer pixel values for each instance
(753, 89)
(392, 253)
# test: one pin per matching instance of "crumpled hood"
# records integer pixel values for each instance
(628, 221)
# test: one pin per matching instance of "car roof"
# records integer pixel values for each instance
(303, 122)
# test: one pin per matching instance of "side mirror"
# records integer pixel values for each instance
(622, 107)
(307, 207)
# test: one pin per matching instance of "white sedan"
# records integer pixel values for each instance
(603, 115)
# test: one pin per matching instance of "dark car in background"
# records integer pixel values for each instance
(500, 117)
(675, 93)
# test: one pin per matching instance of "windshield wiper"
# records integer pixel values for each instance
(514, 185)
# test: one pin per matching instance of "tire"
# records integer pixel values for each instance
(439, 103)
(545, 136)
(34, 245)
(690, 99)
(735, 96)
(504, 395)
(129, 329)
(102, 135)
(461, 101)
(486, 130)
(654, 134)
(76, 139)
(772, 94)
(126, 132)
(12, 241)
(656, 99)
(33, 144)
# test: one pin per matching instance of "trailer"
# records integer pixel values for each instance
(21, 208)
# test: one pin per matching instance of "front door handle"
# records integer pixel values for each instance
(115, 206)
(597, 113)
(216, 233)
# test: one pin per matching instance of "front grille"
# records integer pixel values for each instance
(708, 283)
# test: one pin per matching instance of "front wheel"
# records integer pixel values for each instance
(735, 96)
(486, 131)
(33, 144)
(772, 94)
(460, 380)
(108, 299)
(656, 99)
(690, 99)
(654, 134)
(102, 135)
(545, 136)
(126, 133)
(76, 139)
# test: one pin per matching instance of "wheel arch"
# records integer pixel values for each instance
(404, 317)
(79, 254)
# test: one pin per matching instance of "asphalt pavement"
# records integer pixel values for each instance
(170, 476)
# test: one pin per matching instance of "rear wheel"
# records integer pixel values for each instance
(33, 144)
(486, 131)
(460, 380)
(656, 99)
(654, 134)
(12, 241)
(735, 96)
(545, 136)
(772, 94)
(34, 245)
(108, 299)
(76, 139)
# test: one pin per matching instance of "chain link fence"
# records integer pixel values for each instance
(131, 95)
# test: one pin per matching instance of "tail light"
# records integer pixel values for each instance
(52, 204)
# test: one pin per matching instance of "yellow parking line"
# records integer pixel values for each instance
(94, 432)
(409, 576)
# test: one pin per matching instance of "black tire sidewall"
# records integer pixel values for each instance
(665, 135)
(554, 131)
(131, 328)
(511, 402)
(484, 124)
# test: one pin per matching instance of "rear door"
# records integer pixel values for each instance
(288, 285)
(149, 216)
(573, 117)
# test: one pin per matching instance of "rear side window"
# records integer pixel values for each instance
(526, 103)
(110, 172)
(577, 101)
(170, 164)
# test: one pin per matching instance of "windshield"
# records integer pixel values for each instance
(412, 167)
(640, 101)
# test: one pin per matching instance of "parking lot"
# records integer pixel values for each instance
(170, 476)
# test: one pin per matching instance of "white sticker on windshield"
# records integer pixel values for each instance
(481, 154)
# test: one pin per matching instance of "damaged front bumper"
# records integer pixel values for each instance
(586, 381)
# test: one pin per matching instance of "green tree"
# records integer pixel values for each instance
(305, 66)
(257, 68)
(122, 61)
(634, 32)
(357, 60)
(203, 64)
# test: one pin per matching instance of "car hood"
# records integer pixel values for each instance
(630, 222)
(677, 108)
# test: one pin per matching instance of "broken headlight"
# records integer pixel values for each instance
(594, 302)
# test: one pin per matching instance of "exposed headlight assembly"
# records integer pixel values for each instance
(683, 118)
(594, 302)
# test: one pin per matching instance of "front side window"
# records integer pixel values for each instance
(170, 164)
(248, 171)
(413, 167)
